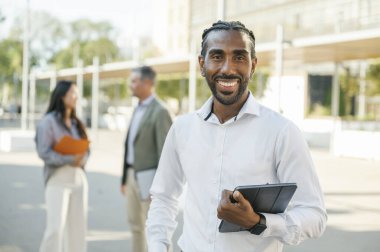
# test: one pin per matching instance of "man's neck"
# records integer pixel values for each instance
(144, 97)
(226, 112)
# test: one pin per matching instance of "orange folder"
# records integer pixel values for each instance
(71, 146)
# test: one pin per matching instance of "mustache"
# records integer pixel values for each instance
(227, 77)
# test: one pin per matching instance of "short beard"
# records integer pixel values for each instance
(229, 101)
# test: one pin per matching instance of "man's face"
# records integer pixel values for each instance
(227, 65)
(136, 84)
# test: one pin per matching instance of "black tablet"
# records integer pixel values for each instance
(268, 198)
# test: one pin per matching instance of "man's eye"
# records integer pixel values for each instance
(240, 57)
(216, 57)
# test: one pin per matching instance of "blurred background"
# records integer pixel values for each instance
(318, 65)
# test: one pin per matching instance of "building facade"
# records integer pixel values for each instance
(321, 40)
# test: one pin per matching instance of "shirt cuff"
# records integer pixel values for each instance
(275, 224)
(157, 247)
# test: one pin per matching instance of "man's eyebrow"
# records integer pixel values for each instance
(240, 51)
(214, 51)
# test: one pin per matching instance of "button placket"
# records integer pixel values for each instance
(222, 131)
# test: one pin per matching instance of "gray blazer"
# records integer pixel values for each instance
(150, 138)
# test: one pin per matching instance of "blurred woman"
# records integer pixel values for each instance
(66, 187)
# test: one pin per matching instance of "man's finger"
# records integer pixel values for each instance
(238, 196)
(226, 193)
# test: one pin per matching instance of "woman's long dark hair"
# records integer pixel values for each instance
(56, 105)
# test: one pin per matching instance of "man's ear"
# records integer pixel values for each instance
(254, 63)
(201, 62)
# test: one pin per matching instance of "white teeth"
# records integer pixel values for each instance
(227, 84)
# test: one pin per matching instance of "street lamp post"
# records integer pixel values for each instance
(221, 10)
(279, 62)
(192, 77)
(25, 70)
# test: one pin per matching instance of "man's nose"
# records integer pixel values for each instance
(228, 67)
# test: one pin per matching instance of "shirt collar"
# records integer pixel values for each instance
(251, 106)
(147, 101)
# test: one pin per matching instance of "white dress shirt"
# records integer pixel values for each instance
(134, 127)
(258, 146)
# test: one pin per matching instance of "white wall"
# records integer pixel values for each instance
(292, 97)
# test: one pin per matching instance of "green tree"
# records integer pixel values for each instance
(84, 30)
(373, 77)
(103, 47)
(258, 83)
(349, 86)
(10, 66)
(10, 59)
(115, 89)
(62, 44)
(87, 40)
(47, 35)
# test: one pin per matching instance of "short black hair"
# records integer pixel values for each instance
(232, 25)
(146, 72)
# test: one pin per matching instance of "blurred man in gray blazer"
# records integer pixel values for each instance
(146, 135)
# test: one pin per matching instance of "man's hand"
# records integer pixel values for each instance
(123, 189)
(78, 159)
(240, 213)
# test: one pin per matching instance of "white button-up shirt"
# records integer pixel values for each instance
(258, 146)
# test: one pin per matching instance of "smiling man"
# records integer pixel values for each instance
(232, 140)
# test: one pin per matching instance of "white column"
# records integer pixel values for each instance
(79, 107)
(335, 109)
(362, 87)
(95, 95)
(53, 80)
(25, 70)
(279, 62)
(221, 10)
(335, 92)
(192, 77)
(32, 100)
(182, 90)
(260, 84)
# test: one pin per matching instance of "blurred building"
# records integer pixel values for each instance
(171, 28)
(311, 49)
(300, 18)
(318, 39)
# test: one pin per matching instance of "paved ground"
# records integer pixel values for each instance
(351, 187)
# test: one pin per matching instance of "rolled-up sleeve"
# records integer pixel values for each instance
(306, 216)
(45, 143)
(167, 187)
